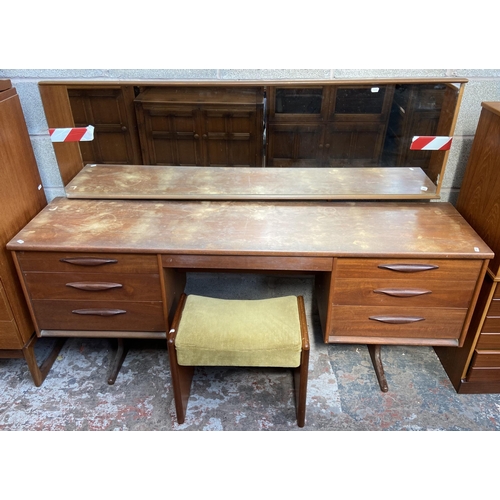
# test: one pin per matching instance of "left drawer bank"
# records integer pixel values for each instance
(80, 294)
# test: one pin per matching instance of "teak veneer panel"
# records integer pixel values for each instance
(227, 183)
(479, 199)
(399, 229)
(21, 198)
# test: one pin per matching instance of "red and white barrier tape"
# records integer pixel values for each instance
(431, 143)
(75, 134)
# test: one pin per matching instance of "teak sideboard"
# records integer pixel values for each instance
(385, 272)
(21, 198)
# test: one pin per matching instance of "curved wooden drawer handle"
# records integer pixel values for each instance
(396, 320)
(408, 268)
(94, 287)
(99, 312)
(88, 261)
(400, 292)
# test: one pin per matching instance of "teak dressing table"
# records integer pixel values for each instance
(386, 272)
(110, 259)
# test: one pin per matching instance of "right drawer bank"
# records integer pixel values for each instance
(400, 301)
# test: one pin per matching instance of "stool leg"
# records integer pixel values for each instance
(302, 371)
(182, 377)
(300, 379)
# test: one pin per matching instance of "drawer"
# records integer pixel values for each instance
(486, 359)
(107, 315)
(489, 341)
(87, 262)
(433, 323)
(404, 269)
(484, 375)
(409, 292)
(92, 286)
(491, 325)
(248, 262)
(494, 309)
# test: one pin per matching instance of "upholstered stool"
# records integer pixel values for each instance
(218, 332)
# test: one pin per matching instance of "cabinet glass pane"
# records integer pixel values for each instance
(299, 101)
(369, 100)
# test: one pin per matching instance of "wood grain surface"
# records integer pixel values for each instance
(369, 229)
(227, 183)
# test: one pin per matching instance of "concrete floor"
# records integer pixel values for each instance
(343, 392)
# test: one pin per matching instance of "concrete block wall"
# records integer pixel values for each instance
(483, 85)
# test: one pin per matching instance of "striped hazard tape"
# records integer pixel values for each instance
(431, 143)
(75, 134)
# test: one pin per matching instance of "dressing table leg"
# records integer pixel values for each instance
(39, 373)
(374, 350)
(121, 353)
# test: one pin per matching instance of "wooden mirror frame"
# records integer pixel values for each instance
(59, 114)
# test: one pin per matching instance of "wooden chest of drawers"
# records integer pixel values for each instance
(483, 374)
(72, 293)
(476, 367)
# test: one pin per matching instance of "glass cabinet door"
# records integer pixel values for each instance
(290, 104)
(361, 103)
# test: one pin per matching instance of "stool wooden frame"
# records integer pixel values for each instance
(182, 376)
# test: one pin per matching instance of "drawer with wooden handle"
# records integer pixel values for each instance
(87, 262)
(405, 269)
(92, 286)
(406, 293)
(106, 315)
(396, 322)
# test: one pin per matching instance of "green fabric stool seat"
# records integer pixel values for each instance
(219, 332)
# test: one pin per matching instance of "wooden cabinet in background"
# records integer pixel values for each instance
(330, 126)
(111, 112)
(201, 126)
(21, 198)
(475, 368)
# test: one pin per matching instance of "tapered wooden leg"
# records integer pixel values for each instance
(120, 355)
(39, 373)
(375, 354)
